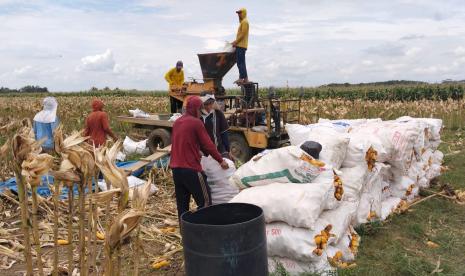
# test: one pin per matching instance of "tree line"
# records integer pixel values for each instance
(25, 89)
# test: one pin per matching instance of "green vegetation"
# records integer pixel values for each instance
(402, 92)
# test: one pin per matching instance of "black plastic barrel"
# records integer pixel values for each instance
(225, 240)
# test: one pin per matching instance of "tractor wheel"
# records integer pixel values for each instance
(239, 147)
(158, 138)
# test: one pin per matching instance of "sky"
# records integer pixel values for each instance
(73, 45)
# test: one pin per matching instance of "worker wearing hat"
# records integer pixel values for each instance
(175, 79)
(241, 44)
(216, 124)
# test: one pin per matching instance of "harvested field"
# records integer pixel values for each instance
(427, 238)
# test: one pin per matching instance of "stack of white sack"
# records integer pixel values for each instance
(301, 198)
(217, 178)
(384, 165)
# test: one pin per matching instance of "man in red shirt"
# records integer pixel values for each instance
(97, 125)
(189, 137)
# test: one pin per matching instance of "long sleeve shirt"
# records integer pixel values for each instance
(173, 77)
(98, 127)
(189, 137)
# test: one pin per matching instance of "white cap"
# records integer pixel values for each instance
(207, 97)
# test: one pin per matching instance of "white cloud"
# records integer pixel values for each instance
(297, 41)
(413, 51)
(214, 44)
(434, 69)
(367, 62)
(101, 62)
(24, 71)
(459, 51)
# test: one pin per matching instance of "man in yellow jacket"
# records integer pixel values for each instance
(175, 76)
(175, 79)
(241, 43)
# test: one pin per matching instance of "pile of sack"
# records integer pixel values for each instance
(335, 176)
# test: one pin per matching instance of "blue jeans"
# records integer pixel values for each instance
(240, 59)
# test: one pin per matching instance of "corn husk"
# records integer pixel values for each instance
(35, 166)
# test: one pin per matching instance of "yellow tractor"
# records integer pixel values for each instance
(255, 123)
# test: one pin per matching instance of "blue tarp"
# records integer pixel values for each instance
(44, 191)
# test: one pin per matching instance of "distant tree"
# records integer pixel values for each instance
(33, 89)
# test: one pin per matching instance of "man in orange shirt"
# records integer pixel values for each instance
(97, 125)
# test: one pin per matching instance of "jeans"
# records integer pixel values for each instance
(240, 59)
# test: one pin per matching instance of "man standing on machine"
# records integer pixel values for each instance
(241, 43)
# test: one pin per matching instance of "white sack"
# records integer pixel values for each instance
(358, 147)
(298, 243)
(353, 180)
(174, 117)
(434, 126)
(130, 146)
(282, 165)
(334, 143)
(404, 187)
(133, 182)
(137, 113)
(217, 178)
(296, 204)
(388, 206)
(295, 267)
(369, 208)
(397, 139)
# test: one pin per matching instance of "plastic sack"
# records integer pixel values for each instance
(133, 182)
(217, 178)
(137, 113)
(333, 141)
(388, 206)
(295, 267)
(353, 181)
(283, 165)
(298, 205)
(297, 243)
(369, 208)
(131, 147)
(404, 187)
(174, 117)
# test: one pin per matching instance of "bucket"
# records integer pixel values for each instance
(225, 239)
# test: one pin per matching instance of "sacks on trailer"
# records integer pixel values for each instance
(299, 243)
(217, 178)
(298, 205)
(334, 142)
(283, 165)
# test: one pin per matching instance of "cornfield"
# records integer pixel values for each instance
(98, 232)
(434, 92)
